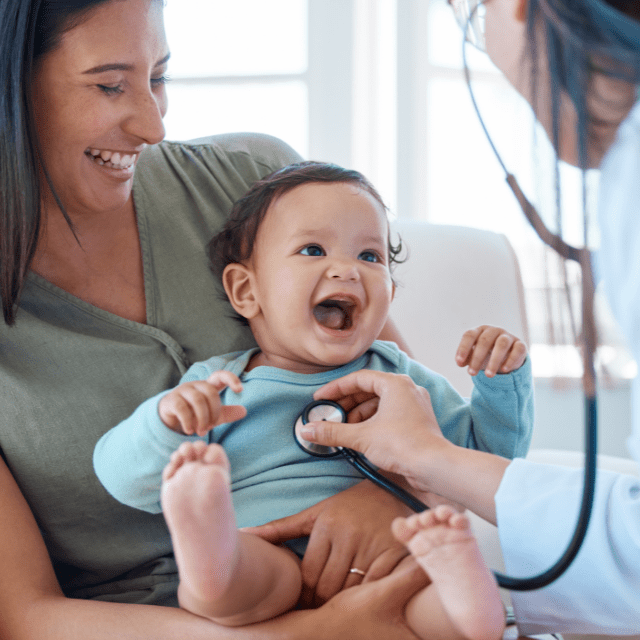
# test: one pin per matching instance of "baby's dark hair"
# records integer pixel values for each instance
(234, 244)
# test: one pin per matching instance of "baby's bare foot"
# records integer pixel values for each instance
(442, 543)
(197, 506)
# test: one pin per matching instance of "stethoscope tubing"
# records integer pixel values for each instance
(581, 256)
(508, 582)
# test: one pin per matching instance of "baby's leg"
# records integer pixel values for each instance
(462, 600)
(225, 575)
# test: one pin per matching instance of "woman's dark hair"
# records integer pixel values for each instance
(234, 244)
(29, 29)
(583, 39)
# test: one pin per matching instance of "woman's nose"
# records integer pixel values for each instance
(145, 120)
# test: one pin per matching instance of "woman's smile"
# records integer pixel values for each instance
(113, 159)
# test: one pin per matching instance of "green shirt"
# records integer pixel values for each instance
(70, 371)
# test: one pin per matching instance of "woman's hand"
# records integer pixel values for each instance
(391, 421)
(349, 530)
(372, 610)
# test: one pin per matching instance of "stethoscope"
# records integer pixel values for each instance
(326, 410)
(320, 410)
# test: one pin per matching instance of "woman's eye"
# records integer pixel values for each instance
(110, 91)
(159, 82)
(369, 256)
(312, 250)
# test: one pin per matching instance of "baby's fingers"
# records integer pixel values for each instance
(231, 413)
(503, 343)
(516, 357)
(466, 346)
(221, 379)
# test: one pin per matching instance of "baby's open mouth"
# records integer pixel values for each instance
(335, 314)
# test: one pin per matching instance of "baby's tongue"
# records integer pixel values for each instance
(330, 316)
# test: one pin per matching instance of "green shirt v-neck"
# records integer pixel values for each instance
(70, 371)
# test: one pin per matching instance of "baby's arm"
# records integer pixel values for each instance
(491, 349)
(130, 457)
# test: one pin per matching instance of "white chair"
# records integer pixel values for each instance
(457, 278)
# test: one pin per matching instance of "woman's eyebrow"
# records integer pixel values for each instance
(120, 66)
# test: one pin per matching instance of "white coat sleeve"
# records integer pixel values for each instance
(537, 509)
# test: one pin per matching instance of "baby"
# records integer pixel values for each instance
(305, 259)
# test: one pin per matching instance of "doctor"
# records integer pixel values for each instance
(583, 57)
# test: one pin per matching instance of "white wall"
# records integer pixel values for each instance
(560, 415)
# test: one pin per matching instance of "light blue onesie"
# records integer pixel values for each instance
(271, 476)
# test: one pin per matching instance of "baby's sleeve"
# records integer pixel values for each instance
(129, 459)
(498, 418)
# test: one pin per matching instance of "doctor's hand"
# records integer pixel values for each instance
(391, 421)
(491, 349)
(195, 407)
(349, 530)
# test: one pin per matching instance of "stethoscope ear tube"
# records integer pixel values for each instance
(369, 472)
(555, 571)
(582, 256)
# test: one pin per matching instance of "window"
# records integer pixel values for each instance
(377, 85)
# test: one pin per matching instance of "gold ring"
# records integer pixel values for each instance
(360, 572)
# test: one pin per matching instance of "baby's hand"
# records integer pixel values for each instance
(492, 349)
(194, 407)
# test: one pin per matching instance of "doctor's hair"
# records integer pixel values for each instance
(581, 40)
(29, 30)
(235, 242)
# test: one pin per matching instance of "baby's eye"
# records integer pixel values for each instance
(369, 256)
(312, 250)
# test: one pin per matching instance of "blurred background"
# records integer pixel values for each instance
(377, 85)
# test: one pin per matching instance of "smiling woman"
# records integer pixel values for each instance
(93, 119)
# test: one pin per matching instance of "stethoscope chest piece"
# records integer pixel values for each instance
(318, 411)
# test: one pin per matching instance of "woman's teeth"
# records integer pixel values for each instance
(112, 159)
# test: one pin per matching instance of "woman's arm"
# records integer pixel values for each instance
(32, 606)
(390, 332)
(400, 434)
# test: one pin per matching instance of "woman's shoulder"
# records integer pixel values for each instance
(251, 155)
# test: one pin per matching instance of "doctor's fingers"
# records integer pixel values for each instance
(403, 408)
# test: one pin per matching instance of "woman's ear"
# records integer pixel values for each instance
(237, 280)
(521, 10)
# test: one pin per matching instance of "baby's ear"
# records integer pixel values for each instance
(237, 280)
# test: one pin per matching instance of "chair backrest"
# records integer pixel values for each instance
(455, 278)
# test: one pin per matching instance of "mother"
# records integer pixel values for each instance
(107, 299)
